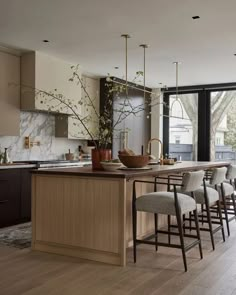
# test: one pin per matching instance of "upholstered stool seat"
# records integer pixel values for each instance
(164, 203)
(212, 194)
(228, 188)
(199, 195)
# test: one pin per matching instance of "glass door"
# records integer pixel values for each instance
(182, 116)
(223, 126)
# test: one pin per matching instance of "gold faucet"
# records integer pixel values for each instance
(29, 143)
(161, 152)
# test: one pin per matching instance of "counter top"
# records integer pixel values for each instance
(16, 166)
(128, 174)
(50, 166)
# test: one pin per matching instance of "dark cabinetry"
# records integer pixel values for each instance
(25, 194)
(15, 196)
(137, 125)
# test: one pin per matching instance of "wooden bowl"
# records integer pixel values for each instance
(138, 161)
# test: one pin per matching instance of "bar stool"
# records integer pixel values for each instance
(231, 175)
(229, 187)
(169, 203)
(207, 195)
(225, 190)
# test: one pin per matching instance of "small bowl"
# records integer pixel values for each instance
(138, 161)
(111, 166)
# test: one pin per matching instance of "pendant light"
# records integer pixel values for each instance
(144, 46)
(124, 132)
(126, 37)
(176, 99)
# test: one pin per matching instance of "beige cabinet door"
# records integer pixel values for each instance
(89, 111)
(42, 75)
(9, 94)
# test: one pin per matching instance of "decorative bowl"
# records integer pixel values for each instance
(138, 161)
(111, 166)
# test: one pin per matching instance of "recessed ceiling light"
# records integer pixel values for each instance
(195, 17)
(45, 41)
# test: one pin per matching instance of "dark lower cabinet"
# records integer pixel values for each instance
(15, 196)
(25, 195)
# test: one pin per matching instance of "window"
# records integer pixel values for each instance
(182, 115)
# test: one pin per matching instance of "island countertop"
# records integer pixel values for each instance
(129, 174)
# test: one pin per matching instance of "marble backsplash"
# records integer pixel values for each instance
(40, 127)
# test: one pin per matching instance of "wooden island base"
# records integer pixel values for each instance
(82, 213)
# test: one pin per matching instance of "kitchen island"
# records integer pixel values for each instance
(84, 213)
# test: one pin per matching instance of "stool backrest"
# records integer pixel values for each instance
(192, 181)
(218, 175)
(231, 172)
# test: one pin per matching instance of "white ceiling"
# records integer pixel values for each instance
(88, 32)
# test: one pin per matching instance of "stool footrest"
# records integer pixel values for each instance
(176, 234)
(158, 244)
(186, 248)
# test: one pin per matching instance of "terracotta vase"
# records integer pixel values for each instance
(99, 155)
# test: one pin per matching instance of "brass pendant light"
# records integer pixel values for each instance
(177, 100)
(126, 37)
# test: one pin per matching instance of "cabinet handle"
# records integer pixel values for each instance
(3, 201)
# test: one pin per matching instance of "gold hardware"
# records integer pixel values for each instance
(149, 147)
(29, 144)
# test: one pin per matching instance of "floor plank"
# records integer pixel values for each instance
(33, 273)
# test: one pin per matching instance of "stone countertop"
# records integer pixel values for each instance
(131, 174)
(16, 166)
(32, 166)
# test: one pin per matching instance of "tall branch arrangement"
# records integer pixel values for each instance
(102, 135)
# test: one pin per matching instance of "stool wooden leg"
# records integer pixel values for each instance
(202, 207)
(156, 228)
(190, 222)
(134, 215)
(210, 224)
(225, 209)
(169, 236)
(198, 232)
(234, 204)
(184, 220)
(181, 236)
(221, 220)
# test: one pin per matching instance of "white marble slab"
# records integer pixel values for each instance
(38, 126)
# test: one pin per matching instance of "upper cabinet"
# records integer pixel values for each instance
(46, 74)
(9, 94)
(70, 126)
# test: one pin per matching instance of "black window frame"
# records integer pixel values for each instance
(204, 115)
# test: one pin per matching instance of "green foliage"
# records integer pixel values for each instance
(230, 136)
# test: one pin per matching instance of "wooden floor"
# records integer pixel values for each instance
(28, 273)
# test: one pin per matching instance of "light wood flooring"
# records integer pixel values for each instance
(23, 272)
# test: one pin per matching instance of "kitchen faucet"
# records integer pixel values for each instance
(149, 148)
